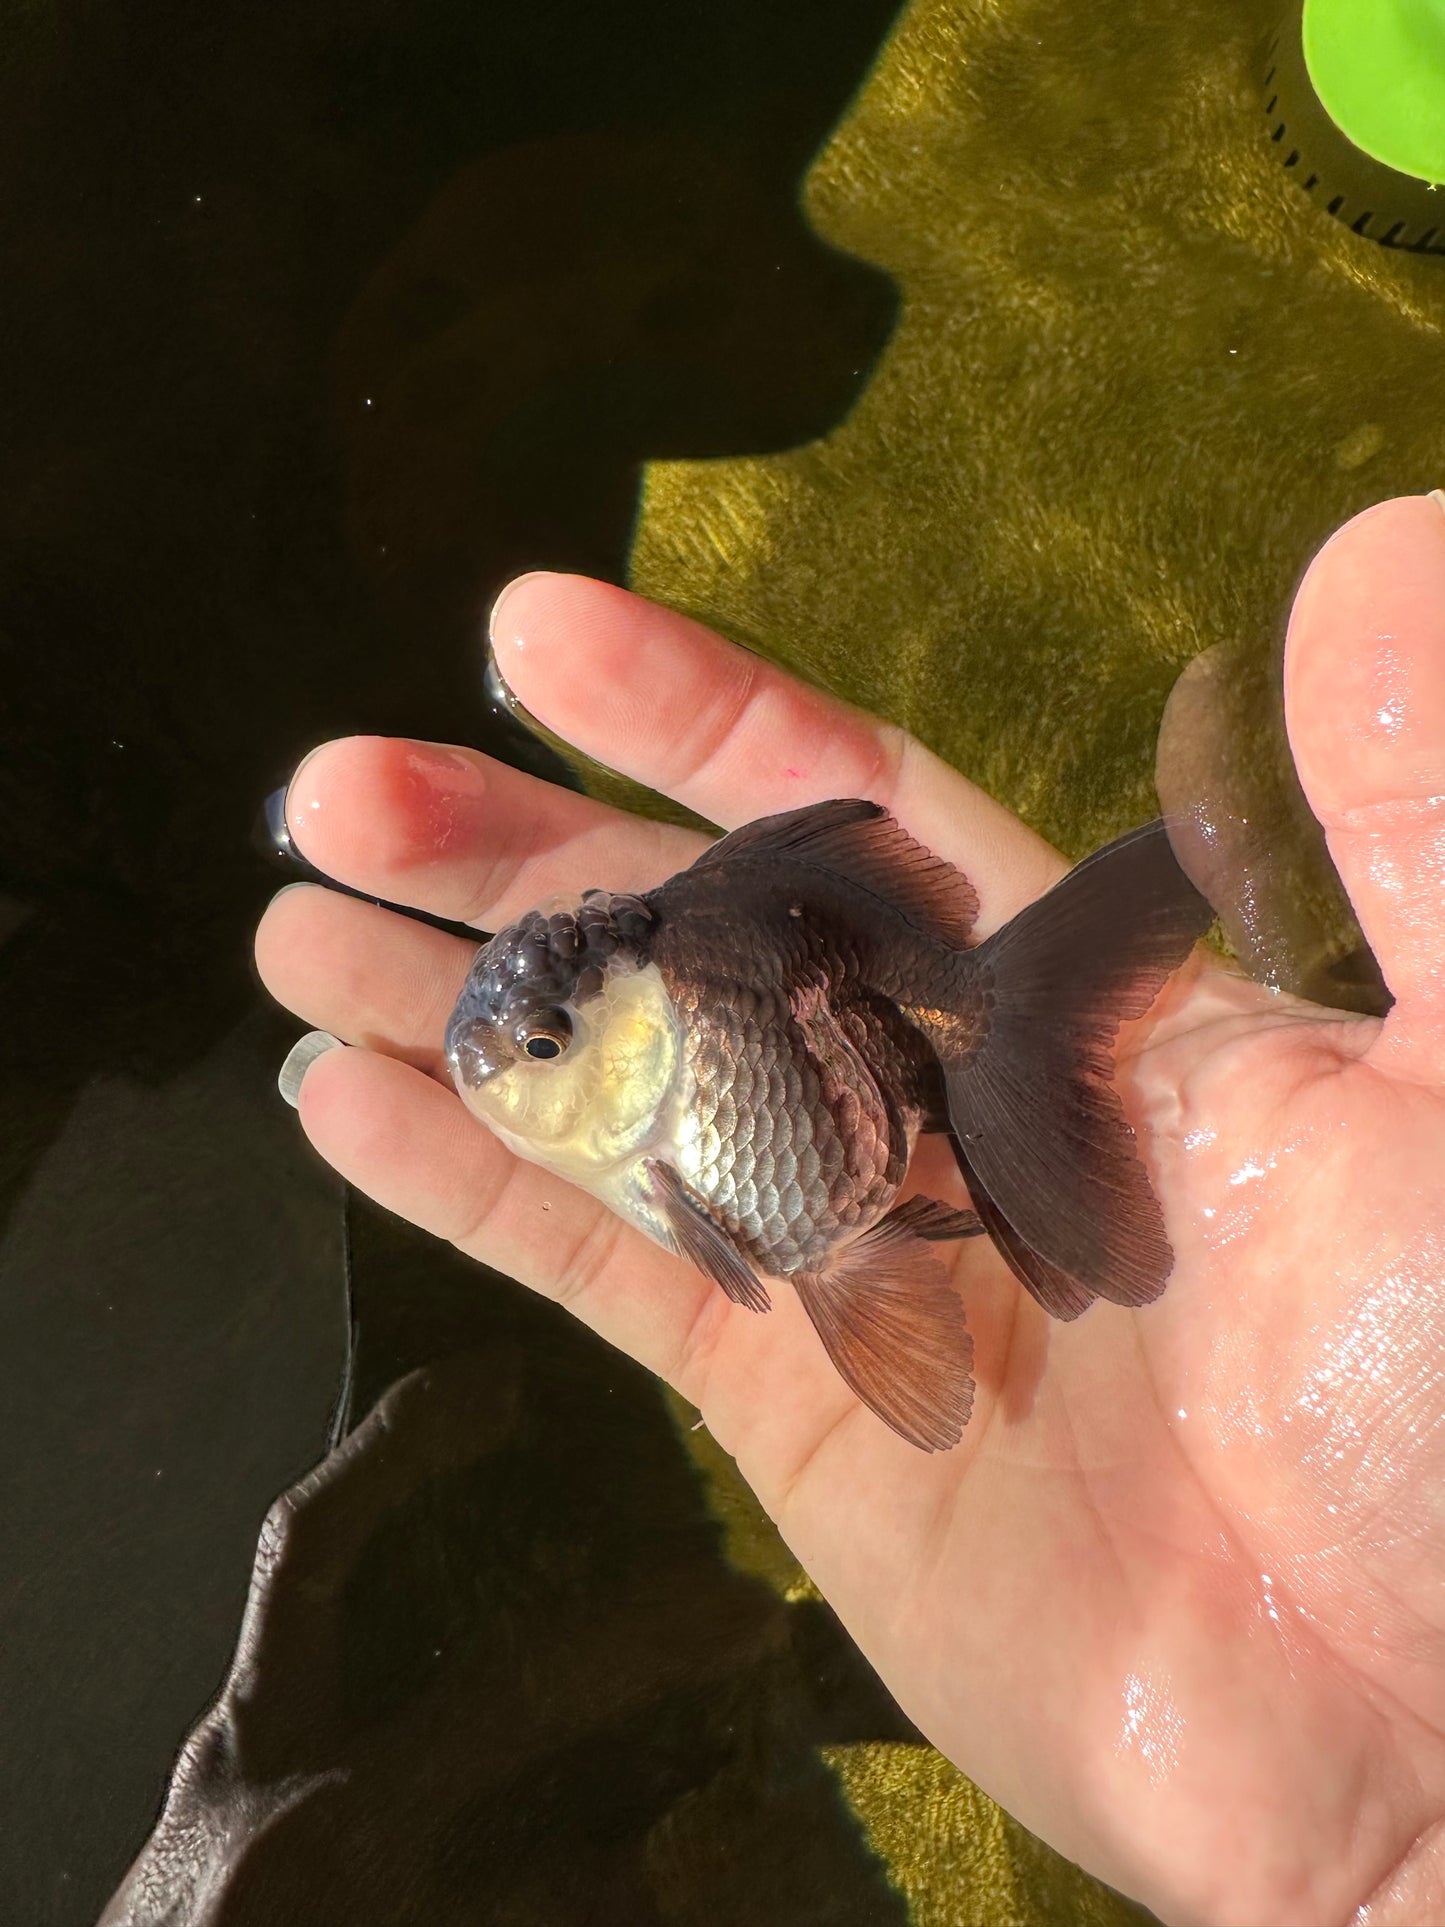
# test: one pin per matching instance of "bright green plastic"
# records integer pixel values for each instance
(1378, 67)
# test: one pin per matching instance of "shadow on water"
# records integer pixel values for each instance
(317, 325)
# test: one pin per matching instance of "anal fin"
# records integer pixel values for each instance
(894, 1327)
(698, 1236)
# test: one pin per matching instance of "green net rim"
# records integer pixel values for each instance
(1378, 67)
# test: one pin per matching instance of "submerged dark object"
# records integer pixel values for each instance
(1248, 840)
(495, 1667)
(740, 1062)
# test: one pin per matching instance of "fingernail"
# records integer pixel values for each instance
(299, 1059)
(290, 791)
(499, 690)
(1437, 496)
(276, 825)
(309, 757)
(272, 834)
(505, 597)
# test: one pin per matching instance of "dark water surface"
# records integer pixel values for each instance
(316, 324)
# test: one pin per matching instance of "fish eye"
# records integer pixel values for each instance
(545, 1033)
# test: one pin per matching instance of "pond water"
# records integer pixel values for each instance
(205, 568)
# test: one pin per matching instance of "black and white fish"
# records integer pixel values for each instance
(740, 1063)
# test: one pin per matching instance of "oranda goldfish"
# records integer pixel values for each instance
(740, 1061)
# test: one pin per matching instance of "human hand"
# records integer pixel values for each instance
(1178, 1598)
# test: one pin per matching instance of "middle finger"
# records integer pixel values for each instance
(453, 832)
(366, 974)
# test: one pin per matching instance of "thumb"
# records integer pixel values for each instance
(1365, 705)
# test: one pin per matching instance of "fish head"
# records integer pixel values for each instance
(564, 1040)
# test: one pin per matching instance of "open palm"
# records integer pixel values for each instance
(1178, 1599)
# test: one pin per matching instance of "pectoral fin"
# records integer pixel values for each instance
(893, 1326)
(696, 1235)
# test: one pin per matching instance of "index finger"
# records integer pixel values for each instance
(661, 699)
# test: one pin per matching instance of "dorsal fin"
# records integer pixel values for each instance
(861, 842)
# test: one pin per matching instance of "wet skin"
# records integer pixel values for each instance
(1178, 1598)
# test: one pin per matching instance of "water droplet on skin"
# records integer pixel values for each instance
(1152, 1727)
(1270, 1607)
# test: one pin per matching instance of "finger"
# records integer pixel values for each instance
(365, 974)
(416, 1150)
(1365, 703)
(455, 833)
(766, 1384)
(661, 699)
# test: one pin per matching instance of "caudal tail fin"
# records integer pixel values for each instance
(1047, 1152)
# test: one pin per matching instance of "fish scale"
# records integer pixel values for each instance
(819, 1153)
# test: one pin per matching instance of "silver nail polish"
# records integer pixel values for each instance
(299, 1059)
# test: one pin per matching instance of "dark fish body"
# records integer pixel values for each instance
(741, 1062)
